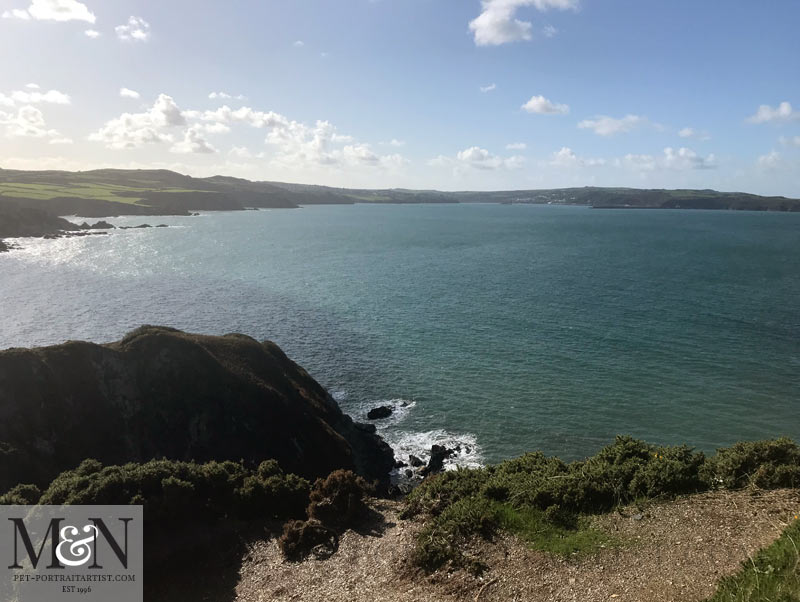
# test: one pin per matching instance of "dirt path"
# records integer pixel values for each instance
(675, 551)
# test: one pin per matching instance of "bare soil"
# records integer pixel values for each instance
(670, 551)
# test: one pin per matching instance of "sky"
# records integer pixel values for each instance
(445, 94)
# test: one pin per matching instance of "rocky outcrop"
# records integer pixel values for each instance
(379, 413)
(17, 221)
(160, 393)
(3, 247)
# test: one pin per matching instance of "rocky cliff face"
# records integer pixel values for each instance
(160, 393)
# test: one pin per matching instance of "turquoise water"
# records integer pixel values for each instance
(505, 328)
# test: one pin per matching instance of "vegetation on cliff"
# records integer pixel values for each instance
(546, 501)
(161, 393)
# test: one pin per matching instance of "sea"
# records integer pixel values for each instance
(496, 329)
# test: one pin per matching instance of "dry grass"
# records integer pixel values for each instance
(675, 551)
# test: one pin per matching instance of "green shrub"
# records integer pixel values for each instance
(339, 499)
(301, 537)
(537, 494)
(23, 495)
(765, 464)
(181, 491)
(444, 538)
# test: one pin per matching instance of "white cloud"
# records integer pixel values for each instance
(128, 93)
(790, 141)
(770, 161)
(783, 112)
(549, 31)
(686, 158)
(92, 33)
(33, 86)
(61, 141)
(132, 130)
(28, 121)
(603, 125)
(539, 104)
(516, 146)
(226, 96)
(215, 128)
(565, 157)
(34, 97)
(497, 23)
(135, 29)
(299, 44)
(193, 142)
(682, 159)
(397, 143)
(488, 88)
(240, 152)
(53, 10)
(688, 132)
(476, 157)
(16, 13)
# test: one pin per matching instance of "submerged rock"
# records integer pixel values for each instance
(379, 412)
(162, 393)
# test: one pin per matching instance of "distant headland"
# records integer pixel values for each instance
(32, 201)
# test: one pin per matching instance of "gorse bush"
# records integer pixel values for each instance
(337, 503)
(183, 491)
(763, 464)
(542, 490)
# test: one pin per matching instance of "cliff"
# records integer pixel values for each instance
(162, 393)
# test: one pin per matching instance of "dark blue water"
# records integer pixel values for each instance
(508, 328)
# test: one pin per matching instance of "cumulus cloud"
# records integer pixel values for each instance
(28, 121)
(488, 88)
(132, 130)
(497, 24)
(226, 96)
(602, 125)
(92, 33)
(549, 31)
(681, 159)
(688, 132)
(62, 140)
(193, 142)
(136, 29)
(128, 93)
(783, 112)
(770, 161)
(516, 146)
(476, 157)
(542, 106)
(565, 157)
(686, 158)
(53, 10)
(51, 97)
(299, 44)
(790, 141)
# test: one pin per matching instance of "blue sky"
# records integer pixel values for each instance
(448, 94)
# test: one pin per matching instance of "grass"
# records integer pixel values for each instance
(772, 575)
(547, 501)
(99, 191)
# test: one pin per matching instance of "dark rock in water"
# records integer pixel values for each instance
(162, 226)
(414, 461)
(379, 412)
(436, 464)
(3, 247)
(162, 393)
(400, 464)
(409, 473)
(367, 428)
(101, 225)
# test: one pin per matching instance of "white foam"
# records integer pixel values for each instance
(468, 453)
